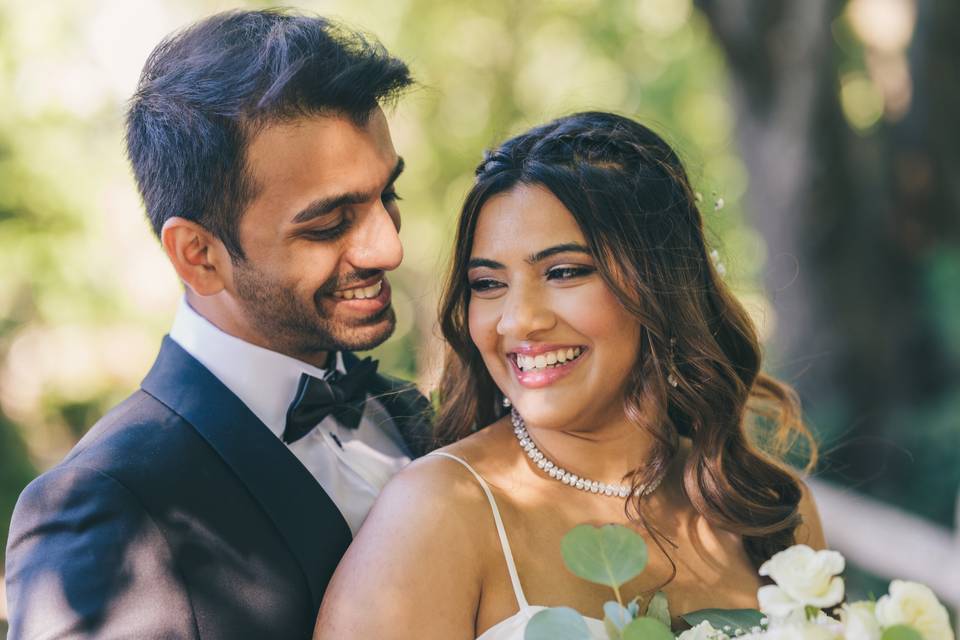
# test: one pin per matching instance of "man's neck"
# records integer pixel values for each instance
(228, 317)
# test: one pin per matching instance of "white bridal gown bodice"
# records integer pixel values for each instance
(512, 628)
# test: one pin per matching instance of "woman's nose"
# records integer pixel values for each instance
(524, 313)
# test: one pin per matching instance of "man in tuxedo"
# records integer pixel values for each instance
(216, 501)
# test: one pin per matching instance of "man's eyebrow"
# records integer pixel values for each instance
(567, 247)
(323, 206)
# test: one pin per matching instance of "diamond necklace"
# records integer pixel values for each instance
(555, 471)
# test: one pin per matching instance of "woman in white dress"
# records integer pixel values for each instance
(583, 296)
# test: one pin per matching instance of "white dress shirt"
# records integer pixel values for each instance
(352, 465)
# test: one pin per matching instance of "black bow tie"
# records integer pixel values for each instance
(337, 394)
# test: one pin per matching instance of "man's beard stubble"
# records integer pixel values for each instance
(289, 326)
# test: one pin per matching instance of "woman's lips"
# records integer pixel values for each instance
(537, 378)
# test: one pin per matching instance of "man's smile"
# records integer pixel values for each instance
(360, 292)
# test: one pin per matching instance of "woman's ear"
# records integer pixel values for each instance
(199, 258)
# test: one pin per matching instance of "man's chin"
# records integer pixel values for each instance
(371, 334)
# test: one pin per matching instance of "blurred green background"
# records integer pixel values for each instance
(820, 134)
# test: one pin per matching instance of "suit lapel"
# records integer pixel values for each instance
(411, 411)
(305, 516)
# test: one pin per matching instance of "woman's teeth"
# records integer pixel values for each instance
(360, 293)
(546, 360)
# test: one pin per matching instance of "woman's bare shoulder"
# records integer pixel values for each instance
(420, 555)
(486, 448)
(426, 488)
(440, 480)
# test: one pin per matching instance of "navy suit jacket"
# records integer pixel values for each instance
(180, 515)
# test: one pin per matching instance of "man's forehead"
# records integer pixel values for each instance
(333, 145)
(331, 127)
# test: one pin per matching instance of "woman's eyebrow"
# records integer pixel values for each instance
(567, 247)
(483, 262)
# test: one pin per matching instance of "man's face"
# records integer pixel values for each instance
(319, 235)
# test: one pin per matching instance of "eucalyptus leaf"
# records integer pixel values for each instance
(613, 633)
(647, 629)
(658, 609)
(609, 555)
(901, 632)
(745, 619)
(557, 623)
(618, 616)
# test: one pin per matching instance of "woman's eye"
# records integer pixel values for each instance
(568, 273)
(390, 196)
(484, 284)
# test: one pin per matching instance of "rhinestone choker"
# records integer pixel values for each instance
(554, 471)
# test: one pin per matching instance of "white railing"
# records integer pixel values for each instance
(890, 542)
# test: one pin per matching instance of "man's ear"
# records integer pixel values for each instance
(199, 258)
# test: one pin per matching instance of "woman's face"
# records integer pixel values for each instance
(553, 336)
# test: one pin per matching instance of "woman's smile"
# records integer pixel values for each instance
(538, 366)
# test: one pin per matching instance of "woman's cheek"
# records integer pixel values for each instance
(594, 312)
(482, 318)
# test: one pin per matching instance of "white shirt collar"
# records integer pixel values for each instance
(264, 380)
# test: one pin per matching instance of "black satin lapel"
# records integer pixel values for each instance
(411, 412)
(304, 514)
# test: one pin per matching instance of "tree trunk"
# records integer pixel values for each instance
(862, 233)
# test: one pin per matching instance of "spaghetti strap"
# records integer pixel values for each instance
(504, 543)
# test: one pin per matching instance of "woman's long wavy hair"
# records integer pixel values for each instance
(631, 198)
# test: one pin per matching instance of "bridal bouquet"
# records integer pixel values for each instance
(803, 604)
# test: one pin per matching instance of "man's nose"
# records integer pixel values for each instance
(524, 314)
(377, 242)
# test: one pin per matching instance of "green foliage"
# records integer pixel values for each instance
(15, 472)
(659, 609)
(900, 632)
(612, 555)
(647, 629)
(558, 623)
(616, 616)
(737, 619)
(941, 275)
(609, 555)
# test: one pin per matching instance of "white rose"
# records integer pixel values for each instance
(860, 622)
(794, 631)
(703, 631)
(804, 577)
(913, 604)
(776, 603)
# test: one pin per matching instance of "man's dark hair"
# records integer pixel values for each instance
(206, 90)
